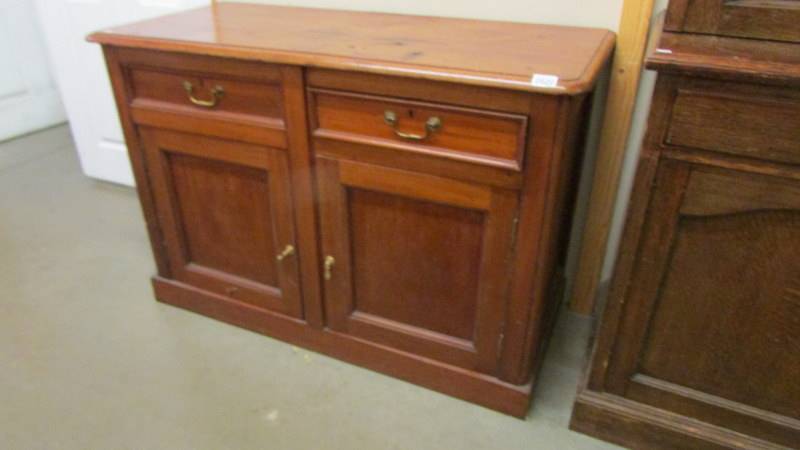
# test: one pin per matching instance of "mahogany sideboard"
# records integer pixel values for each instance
(394, 191)
(699, 343)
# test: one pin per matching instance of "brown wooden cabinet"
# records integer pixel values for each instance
(699, 343)
(759, 19)
(394, 193)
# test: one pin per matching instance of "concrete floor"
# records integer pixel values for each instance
(89, 361)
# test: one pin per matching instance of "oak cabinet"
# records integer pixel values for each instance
(699, 342)
(717, 279)
(395, 194)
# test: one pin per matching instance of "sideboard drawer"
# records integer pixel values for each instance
(213, 93)
(480, 136)
(742, 124)
(248, 104)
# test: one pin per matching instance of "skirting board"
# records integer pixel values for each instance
(634, 425)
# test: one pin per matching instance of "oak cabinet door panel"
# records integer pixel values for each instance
(716, 300)
(225, 210)
(419, 262)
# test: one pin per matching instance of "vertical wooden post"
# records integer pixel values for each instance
(625, 73)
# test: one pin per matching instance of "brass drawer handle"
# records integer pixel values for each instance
(289, 250)
(216, 94)
(432, 125)
(328, 265)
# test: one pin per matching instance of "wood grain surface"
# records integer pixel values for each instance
(466, 51)
(697, 347)
(626, 70)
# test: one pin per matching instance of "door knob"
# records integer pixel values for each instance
(286, 252)
(328, 265)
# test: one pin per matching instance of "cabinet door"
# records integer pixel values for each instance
(225, 211)
(712, 320)
(416, 262)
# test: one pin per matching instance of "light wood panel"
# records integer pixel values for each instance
(625, 73)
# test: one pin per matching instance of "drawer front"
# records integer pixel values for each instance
(204, 87)
(207, 92)
(467, 134)
(743, 124)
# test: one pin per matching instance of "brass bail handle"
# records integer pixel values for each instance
(216, 94)
(432, 125)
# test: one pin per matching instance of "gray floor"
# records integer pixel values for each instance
(89, 361)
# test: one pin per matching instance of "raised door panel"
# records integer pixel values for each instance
(713, 323)
(225, 211)
(420, 263)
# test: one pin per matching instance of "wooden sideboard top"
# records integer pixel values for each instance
(488, 53)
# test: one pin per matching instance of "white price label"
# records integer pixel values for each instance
(544, 80)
